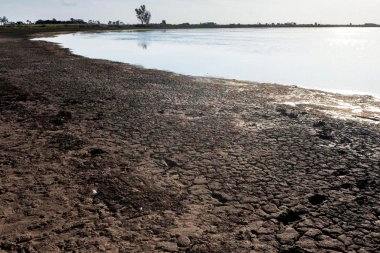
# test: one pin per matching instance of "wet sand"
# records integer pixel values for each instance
(99, 156)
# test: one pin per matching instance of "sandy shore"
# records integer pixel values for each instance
(98, 156)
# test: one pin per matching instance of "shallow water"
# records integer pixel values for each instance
(338, 59)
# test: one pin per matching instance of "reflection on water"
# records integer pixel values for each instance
(143, 45)
(324, 58)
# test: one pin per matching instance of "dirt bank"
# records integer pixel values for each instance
(97, 156)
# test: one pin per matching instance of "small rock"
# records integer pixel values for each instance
(200, 180)
(169, 247)
(313, 232)
(255, 226)
(288, 237)
(270, 208)
(306, 243)
(183, 241)
(332, 244)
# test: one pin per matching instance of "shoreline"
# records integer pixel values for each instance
(104, 156)
(86, 27)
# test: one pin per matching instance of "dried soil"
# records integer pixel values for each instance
(99, 156)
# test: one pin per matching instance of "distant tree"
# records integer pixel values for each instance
(74, 21)
(143, 15)
(94, 22)
(163, 22)
(4, 20)
(109, 22)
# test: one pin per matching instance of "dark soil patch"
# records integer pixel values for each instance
(291, 216)
(67, 142)
(219, 197)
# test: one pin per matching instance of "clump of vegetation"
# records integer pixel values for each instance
(54, 21)
(118, 22)
(93, 22)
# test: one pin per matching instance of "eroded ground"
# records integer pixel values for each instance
(98, 156)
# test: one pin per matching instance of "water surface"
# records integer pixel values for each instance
(339, 59)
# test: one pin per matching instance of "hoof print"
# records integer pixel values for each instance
(290, 216)
(317, 199)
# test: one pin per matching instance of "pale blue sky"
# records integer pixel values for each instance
(195, 11)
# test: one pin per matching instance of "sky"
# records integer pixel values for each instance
(196, 11)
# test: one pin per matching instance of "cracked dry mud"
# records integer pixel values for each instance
(98, 156)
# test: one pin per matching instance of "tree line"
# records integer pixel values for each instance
(4, 21)
(143, 15)
(54, 21)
